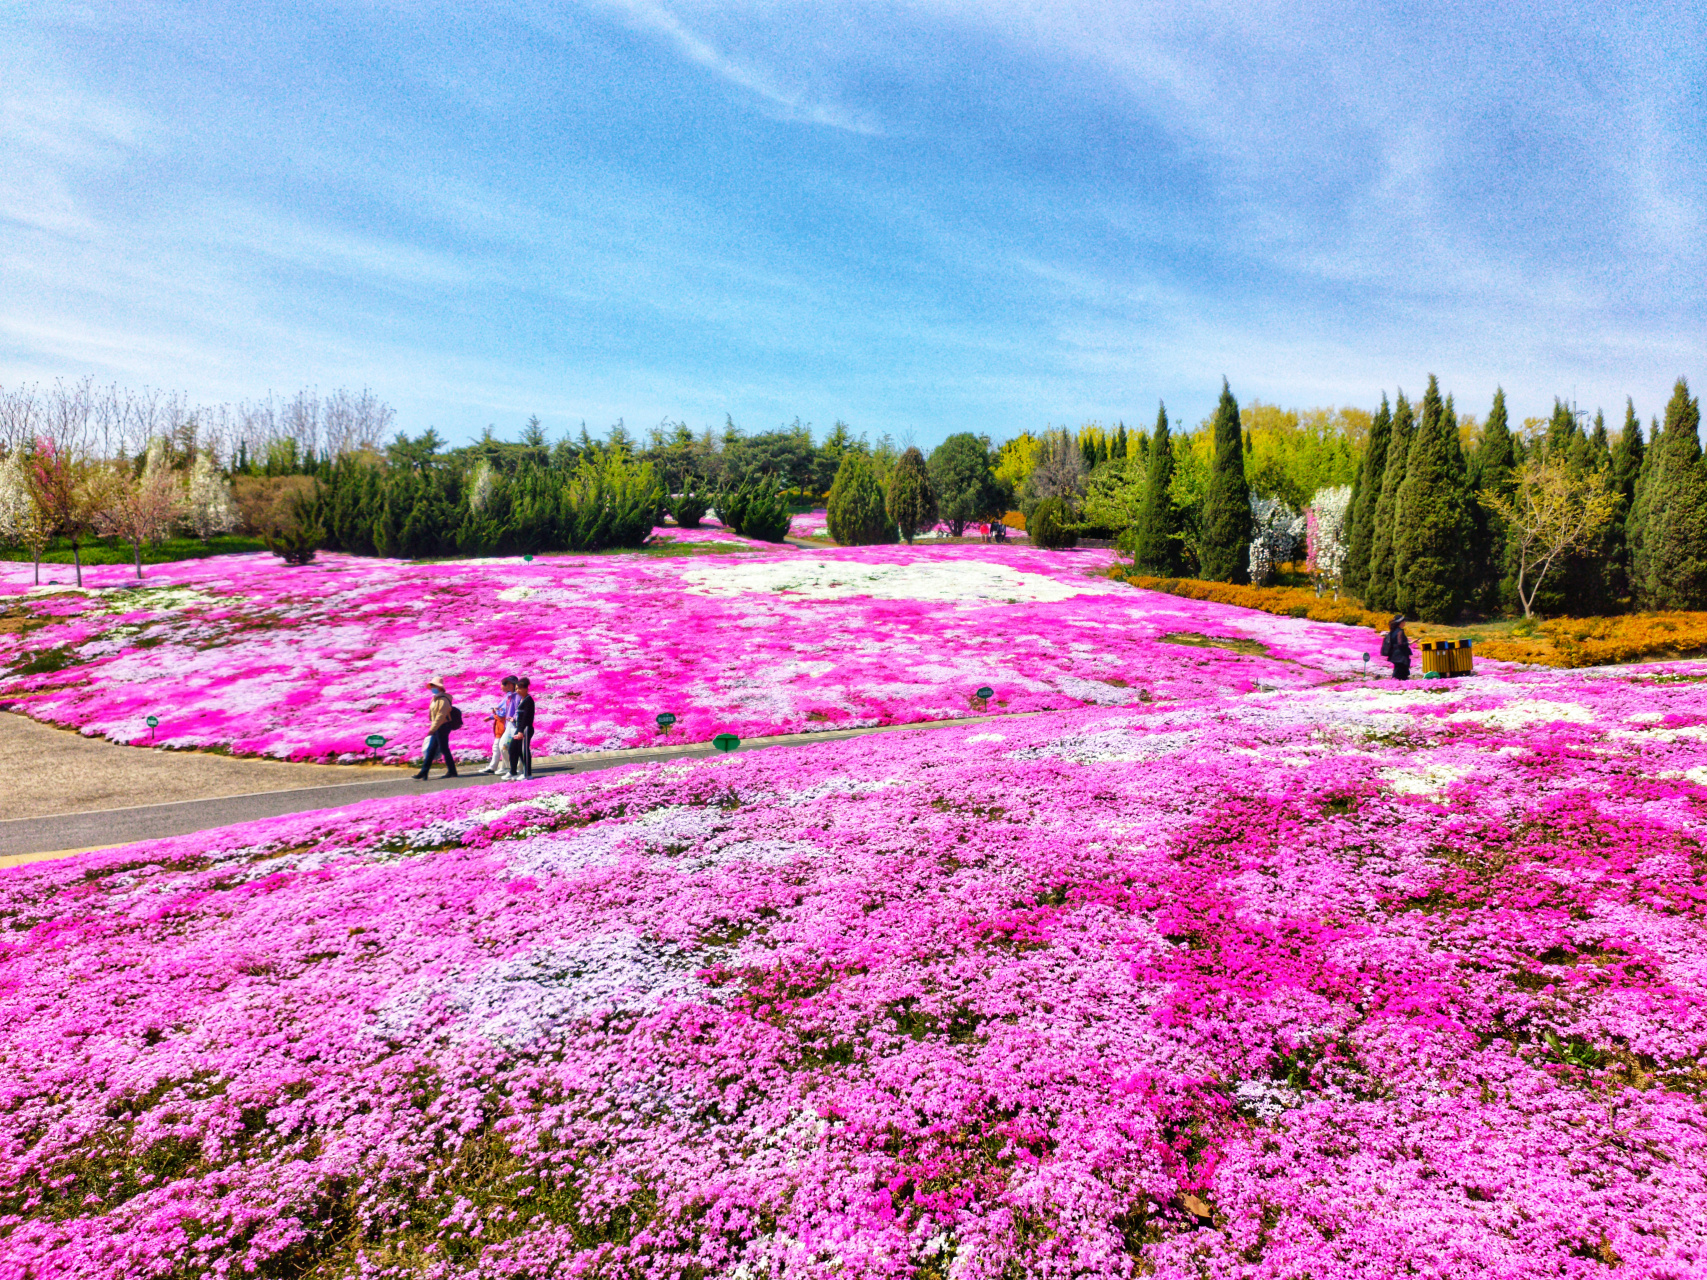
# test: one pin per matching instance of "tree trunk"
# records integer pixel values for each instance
(138, 545)
(77, 559)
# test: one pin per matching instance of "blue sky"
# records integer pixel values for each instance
(920, 218)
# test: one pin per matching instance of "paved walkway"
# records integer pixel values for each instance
(31, 839)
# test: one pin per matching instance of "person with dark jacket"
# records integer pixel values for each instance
(521, 742)
(1396, 648)
(439, 717)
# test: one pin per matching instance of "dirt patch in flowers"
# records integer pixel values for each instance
(1234, 643)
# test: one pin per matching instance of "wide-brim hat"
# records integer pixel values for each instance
(433, 682)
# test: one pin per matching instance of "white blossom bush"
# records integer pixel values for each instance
(208, 507)
(1327, 534)
(1276, 532)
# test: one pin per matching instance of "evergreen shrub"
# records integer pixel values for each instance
(1050, 525)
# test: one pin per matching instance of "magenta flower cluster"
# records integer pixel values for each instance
(1359, 980)
(250, 655)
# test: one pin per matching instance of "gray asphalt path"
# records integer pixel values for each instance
(24, 836)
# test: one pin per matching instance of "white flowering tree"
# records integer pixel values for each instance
(21, 518)
(1327, 536)
(1276, 532)
(207, 503)
(482, 487)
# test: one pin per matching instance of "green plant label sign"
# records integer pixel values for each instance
(529, 559)
(375, 741)
(726, 742)
(665, 720)
(985, 692)
(152, 721)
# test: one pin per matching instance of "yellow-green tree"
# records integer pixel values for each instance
(1553, 509)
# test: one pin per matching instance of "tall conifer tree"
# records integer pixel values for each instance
(1671, 569)
(1155, 538)
(1366, 493)
(1493, 469)
(1380, 592)
(1432, 524)
(1627, 454)
(1226, 550)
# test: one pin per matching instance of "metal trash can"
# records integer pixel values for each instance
(1444, 659)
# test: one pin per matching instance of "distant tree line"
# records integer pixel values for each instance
(1414, 508)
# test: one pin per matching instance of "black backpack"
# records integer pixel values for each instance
(455, 718)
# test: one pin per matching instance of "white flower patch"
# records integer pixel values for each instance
(1096, 691)
(549, 801)
(966, 581)
(1109, 746)
(988, 737)
(840, 787)
(1430, 780)
(1264, 1098)
(1521, 713)
(1645, 717)
(519, 1000)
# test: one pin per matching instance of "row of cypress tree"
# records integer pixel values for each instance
(1422, 543)
(1155, 540)
(607, 500)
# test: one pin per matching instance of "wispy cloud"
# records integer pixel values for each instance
(796, 103)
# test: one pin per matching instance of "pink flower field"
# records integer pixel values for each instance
(1337, 981)
(247, 654)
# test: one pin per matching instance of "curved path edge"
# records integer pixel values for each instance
(25, 840)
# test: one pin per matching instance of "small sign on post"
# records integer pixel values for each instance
(529, 559)
(665, 720)
(726, 742)
(985, 693)
(375, 741)
(153, 722)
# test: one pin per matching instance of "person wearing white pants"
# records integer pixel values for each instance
(504, 729)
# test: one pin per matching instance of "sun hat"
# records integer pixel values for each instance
(433, 682)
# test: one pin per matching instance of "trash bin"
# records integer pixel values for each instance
(1444, 659)
(1464, 658)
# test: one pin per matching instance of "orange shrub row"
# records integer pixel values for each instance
(1593, 642)
(1289, 602)
(1560, 642)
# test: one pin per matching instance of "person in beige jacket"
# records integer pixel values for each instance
(440, 717)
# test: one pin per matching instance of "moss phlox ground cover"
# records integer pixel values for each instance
(246, 654)
(1342, 981)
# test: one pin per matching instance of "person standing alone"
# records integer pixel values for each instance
(441, 719)
(1396, 648)
(521, 741)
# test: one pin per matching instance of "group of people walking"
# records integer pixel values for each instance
(512, 731)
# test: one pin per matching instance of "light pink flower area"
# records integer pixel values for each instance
(1360, 981)
(811, 524)
(248, 654)
(708, 532)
